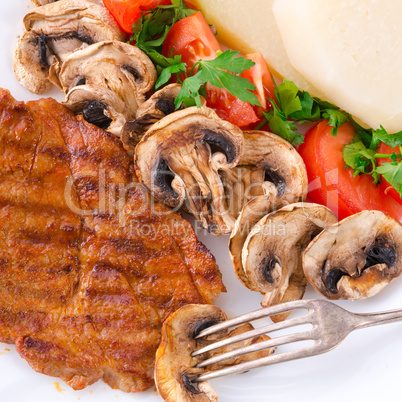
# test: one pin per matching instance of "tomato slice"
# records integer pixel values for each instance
(333, 185)
(126, 12)
(388, 189)
(193, 38)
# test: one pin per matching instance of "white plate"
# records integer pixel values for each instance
(366, 367)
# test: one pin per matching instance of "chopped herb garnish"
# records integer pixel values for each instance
(149, 34)
(220, 72)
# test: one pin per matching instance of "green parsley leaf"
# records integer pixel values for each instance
(392, 173)
(324, 104)
(335, 118)
(362, 160)
(310, 111)
(351, 152)
(190, 91)
(358, 157)
(220, 72)
(287, 97)
(166, 73)
(392, 140)
(229, 61)
(280, 125)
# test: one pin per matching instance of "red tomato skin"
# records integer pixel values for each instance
(333, 185)
(193, 38)
(387, 188)
(261, 77)
(126, 12)
(230, 108)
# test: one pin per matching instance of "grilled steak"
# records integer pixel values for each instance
(89, 266)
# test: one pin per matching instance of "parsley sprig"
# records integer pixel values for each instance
(149, 34)
(220, 72)
(150, 31)
(293, 107)
(362, 156)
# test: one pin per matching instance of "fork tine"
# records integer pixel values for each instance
(255, 315)
(264, 361)
(256, 332)
(271, 343)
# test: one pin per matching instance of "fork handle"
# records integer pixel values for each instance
(369, 320)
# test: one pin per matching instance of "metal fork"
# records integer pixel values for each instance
(330, 326)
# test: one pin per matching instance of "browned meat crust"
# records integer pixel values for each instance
(89, 267)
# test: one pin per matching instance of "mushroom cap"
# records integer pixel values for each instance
(355, 258)
(179, 158)
(268, 163)
(118, 66)
(174, 365)
(158, 106)
(54, 31)
(100, 106)
(272, 253)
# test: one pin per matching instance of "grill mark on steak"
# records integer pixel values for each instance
(83, 295)
(32, 236)
(96, 158)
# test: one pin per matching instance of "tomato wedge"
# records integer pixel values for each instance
(126, 12)
(333, 185)
(193, 38)
(261, 77)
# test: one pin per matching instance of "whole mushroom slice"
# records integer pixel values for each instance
(355, 258)
(268, 162)
(250, 214)
(117, 66)
(272, 253)
(174, 365)
(178, 160)
(99, 106)
(53, 32)
(158, 106)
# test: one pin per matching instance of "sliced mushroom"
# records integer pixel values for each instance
(117, 66)
(267, 162)
(178, 160)
(355, 258)
(174, 365)
(272, 253)
(250, 214)
(53, 32)
(158, 106)
(99, 106)
(39, 3)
